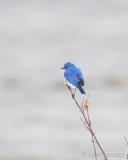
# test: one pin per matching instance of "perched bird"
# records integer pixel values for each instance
(73, 77)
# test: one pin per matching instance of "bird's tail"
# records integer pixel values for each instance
(81, 89)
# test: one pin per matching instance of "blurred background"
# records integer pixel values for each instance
(38, 118)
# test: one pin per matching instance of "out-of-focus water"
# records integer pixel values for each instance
(38, 118)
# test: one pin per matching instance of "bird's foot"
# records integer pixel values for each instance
(68, 87)
(73, 96)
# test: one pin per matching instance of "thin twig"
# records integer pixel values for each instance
(127, 145)
(94, 147)
(88, 117)
(86, 121)
(85, 124)
(126, 140)
(93, 142)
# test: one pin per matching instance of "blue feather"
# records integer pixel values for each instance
(74, 76)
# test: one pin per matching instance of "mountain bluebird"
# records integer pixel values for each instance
(73, 77)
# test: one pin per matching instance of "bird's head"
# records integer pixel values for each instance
(67, 65)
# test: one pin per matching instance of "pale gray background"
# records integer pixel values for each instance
(38, 118)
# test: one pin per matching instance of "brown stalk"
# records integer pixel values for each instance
(88, 125)
(127, 145)
(93, 142)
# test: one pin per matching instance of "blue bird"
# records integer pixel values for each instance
(73, 77)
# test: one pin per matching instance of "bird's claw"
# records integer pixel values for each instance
(68, 86)
(73, 96)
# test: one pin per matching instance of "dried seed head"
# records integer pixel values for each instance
(87, 105)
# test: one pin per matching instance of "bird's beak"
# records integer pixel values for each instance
(63, 68)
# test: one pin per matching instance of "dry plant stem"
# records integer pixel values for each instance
(127, 145)
(94, 147)
(126, 140)
(90, 129)
(93, 142)
(85, 125)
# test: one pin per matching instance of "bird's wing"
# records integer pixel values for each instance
(81, 78)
